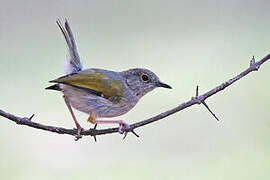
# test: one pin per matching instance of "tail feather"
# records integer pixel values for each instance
(73, 63)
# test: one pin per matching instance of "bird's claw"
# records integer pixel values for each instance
(122, 126)
(78, 135)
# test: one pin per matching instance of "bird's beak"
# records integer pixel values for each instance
(160, 84)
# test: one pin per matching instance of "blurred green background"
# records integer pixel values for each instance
(187, 43)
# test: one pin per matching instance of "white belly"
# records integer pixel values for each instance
(102, 107)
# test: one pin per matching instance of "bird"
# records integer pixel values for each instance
(100, 93)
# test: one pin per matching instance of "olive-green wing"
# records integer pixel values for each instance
(95, 81)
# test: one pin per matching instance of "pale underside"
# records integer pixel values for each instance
(86, 102)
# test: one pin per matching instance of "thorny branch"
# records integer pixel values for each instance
(198, 99)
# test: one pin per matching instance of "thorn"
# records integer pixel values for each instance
(252, 61)
(94, 136)
(197, 91)
(133, 132)
(31, 117)
(196, 97)
(125, 135)
(77, 137)
(210, 110)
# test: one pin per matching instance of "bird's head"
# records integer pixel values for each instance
(142, 81)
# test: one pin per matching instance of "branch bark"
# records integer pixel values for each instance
(197, 99)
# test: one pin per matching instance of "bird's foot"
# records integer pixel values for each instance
(122, 129)
(78, 135)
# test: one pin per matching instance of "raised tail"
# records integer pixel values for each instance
(73, 63)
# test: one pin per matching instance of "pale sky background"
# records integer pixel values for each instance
(187, 43)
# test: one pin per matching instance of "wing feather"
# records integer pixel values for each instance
(94, 81)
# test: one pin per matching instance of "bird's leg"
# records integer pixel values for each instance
(122, 124)
(79, 128)
(93, 119)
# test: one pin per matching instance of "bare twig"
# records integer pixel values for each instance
(204, 103)
(198, 99)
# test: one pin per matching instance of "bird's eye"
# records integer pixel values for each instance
(145, 78)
